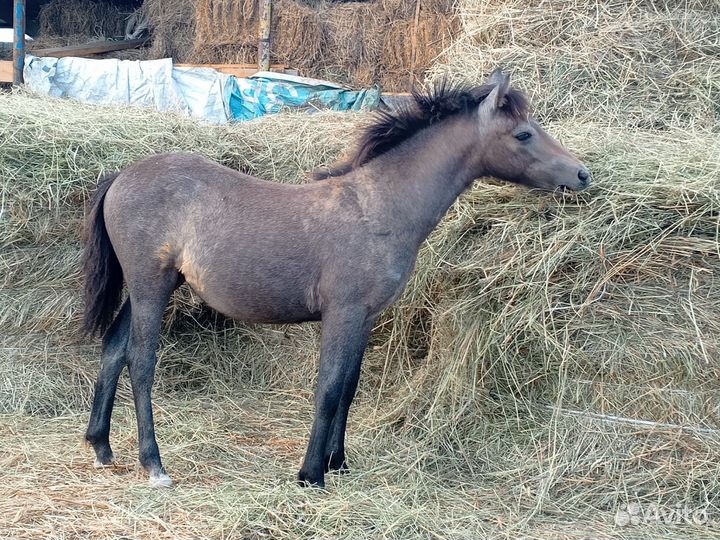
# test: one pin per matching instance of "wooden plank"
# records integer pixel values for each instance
(94, 47)
(18, 41)
(6, 71)
(239, 70)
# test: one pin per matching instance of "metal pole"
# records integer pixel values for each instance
(18, 41)
(264, 35)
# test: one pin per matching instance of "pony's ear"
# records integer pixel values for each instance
(496, 77)
(496, 99)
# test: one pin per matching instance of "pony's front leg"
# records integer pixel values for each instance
(334, 460)
(345, 333)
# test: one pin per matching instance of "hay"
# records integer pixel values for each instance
(649, 64)
(385, 42)
(488, 391)
(74, 21)
(552, 361)
(359, 43)
(172, 28)
(596, 296)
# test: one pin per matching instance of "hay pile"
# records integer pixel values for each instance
(172, 28)
(386, 42)
(646, 63)
(523, 309)
(71, 22)
(552, 361)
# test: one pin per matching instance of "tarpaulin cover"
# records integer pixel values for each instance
(195, 92)
(267, 92)
(198, 92)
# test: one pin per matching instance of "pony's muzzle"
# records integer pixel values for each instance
(584, 177)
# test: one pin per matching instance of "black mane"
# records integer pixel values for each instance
(442, 101)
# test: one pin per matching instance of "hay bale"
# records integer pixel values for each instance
(647, 64)
(226, 31)
(359, 43)
(172, 28)
(531, 324)
(75, 21)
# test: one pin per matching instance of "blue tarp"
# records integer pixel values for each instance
(266, 92)
(199, 92)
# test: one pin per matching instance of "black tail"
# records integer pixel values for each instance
(103, 274)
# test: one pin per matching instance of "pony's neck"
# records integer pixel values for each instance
(422, 177)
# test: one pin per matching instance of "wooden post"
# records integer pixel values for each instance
(264, 35)
(18, 41)
(413, 50)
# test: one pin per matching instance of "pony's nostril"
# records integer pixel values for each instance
(583, 175)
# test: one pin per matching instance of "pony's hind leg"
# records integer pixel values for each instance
(112, 363)
(149, 300)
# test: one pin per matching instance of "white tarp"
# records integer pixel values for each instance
(6, 35)
(196, 92)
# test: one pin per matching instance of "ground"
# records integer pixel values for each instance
(234, 459)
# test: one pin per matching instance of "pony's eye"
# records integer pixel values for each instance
(523, 136)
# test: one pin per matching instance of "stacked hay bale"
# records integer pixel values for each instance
(172, 28)
(83, 19)
(71, 22)
(387, 42)
(551, 356)
(391, 43)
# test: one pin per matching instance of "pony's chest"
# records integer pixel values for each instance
(394, 287)
(390, 285)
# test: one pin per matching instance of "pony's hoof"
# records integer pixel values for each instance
(160, 480)
(306, 480)
(339, 469)
(104, 463)
(336, 464)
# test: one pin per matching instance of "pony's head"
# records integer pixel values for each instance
(517, 149)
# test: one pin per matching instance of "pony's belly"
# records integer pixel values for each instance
(247, 290)
(255, 307)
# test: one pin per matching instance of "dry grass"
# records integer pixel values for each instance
(523, 309)
(646, 63)
(551, 360)
(236, 482)
(172, 28)
(70, 22)
(76, 22)
(360, 43)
